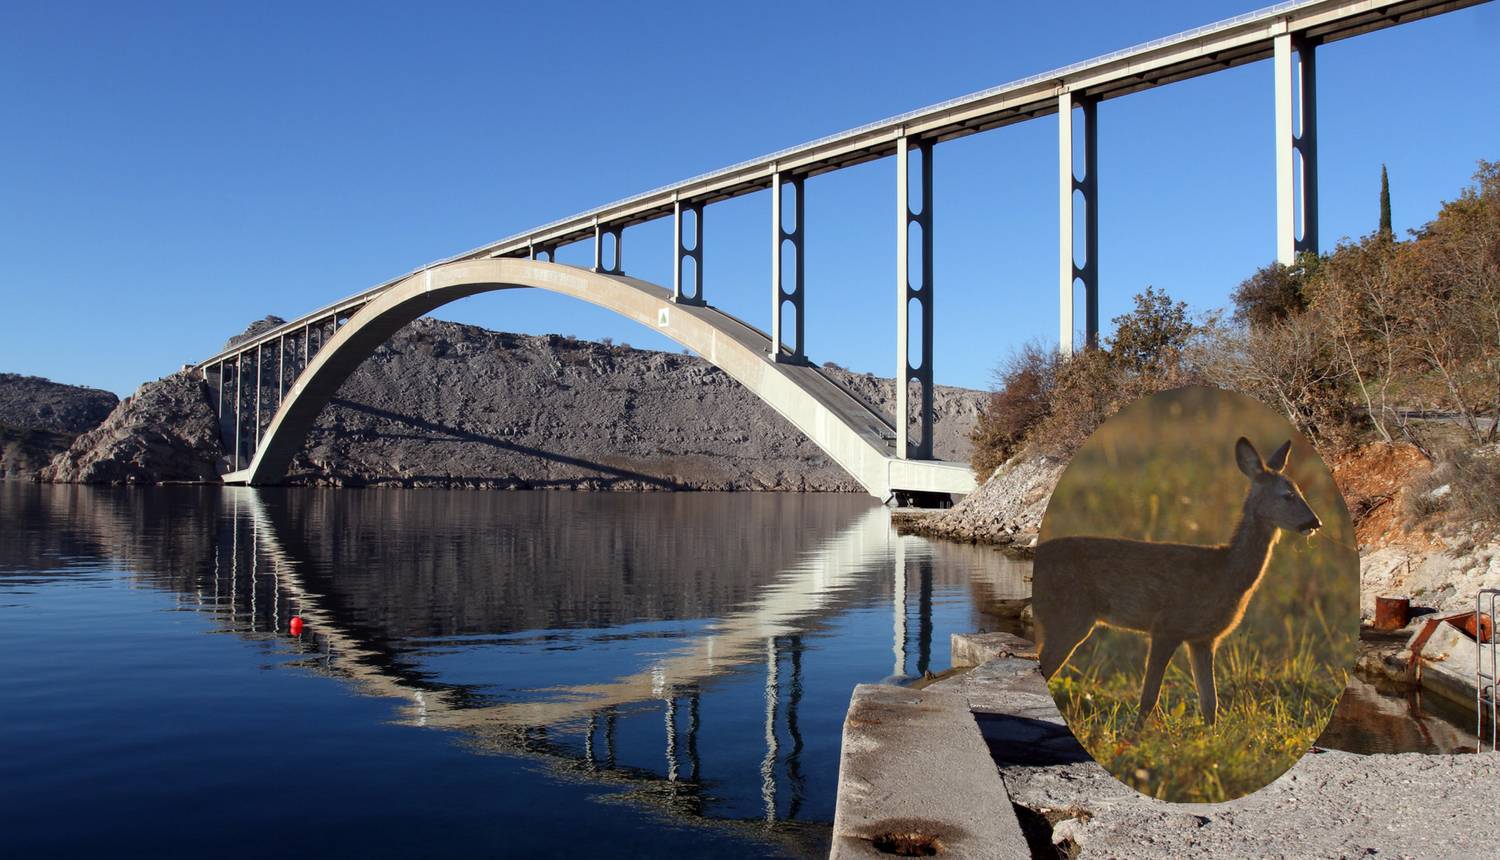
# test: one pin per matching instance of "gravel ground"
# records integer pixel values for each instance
(1330, 804)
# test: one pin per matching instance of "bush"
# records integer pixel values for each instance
(1151, 337)
(1021, 400)
(1425, 497)
(1476, 490)
(1272, 294)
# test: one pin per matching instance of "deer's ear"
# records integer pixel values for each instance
(1247, 458)
(1278, 459)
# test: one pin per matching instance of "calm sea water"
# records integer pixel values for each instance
(480, 673)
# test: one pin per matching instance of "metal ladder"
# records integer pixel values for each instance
(1484, 682)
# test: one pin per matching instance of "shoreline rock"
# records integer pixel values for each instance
(1005, 511)
(165, 433)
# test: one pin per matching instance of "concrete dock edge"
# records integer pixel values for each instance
(915, 777)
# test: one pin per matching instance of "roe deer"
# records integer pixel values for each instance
(1171, 592)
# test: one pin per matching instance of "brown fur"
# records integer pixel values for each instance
(1171, 592)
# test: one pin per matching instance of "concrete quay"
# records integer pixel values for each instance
(920, 760)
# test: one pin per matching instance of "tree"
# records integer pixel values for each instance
(1021, 399)
(1359, 296)
(1385, 206)
(1273, 293)
(1153, 336)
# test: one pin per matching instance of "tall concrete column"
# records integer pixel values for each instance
(786, 288)
(1296, 148)
(617, 241)
(259, 375)
(913, 296)
(239, 374)
(1071, 186)
(687, 245)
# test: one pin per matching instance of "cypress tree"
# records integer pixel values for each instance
(1385, 205)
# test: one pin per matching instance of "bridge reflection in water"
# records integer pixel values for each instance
(587, 661)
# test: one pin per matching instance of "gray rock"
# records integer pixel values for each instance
(31, 402)
(1007, 509)
(40, 418)
(264, 324)
(166, 432)
(25, 451)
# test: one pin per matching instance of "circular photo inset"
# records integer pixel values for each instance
(1196, 595)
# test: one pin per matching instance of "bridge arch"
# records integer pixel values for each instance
(856, 437)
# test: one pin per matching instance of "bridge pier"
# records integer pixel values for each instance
(687, 250)
(239, 375)
(913, 298)
(1296, 148)
(781, 296)
(616, 234)
(1071, 186)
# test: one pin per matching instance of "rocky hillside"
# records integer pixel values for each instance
(40, 418)
(165, 432)
(445, 404)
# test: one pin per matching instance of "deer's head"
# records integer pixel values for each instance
(1273, 496)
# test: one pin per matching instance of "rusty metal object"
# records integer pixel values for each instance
(1392, 613)
(1486, 626)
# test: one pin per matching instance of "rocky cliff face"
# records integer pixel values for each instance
(39, 418)
(165, 432)
(445, 404)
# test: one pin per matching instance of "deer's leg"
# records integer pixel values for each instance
(1059, 640)
(1157, 658)
(1202, 652)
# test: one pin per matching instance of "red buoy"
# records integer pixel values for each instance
(295, 628)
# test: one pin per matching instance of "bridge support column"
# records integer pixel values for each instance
(1296, 148)
(239, 374)
(616, 235)
(259, 375)
(781, 296)
(914, 298)
(535, 252)
(682, 252)
(1070, 187)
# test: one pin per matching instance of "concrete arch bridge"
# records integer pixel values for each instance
(270, 387)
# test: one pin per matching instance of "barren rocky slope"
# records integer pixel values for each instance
(445, 404)
(165, 432)
(39, 418)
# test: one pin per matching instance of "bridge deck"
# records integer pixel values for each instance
(1192, 53)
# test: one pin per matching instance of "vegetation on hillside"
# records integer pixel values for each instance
(1379, 340)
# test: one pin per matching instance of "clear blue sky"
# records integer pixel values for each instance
(171, 171)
